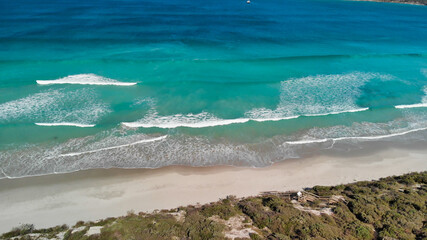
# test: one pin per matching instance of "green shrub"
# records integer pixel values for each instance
(53, 230)
(223, 209)
(363, 232)
(278, 236)
(153, 226)
(255, 236)
(104, 222)
(323, 190)
(79, 235)
(21, 230)
(197, 227)
(253, 208)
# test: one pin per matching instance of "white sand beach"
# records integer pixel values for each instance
(94, 194)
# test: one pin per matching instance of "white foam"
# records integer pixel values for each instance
(318, 95)
(190, 125)
(339, 112)
(94, 151)
(200, 120)
(204, 119)
(273, 119)
(264, 115)
(55, 106)
(380, 136)
(86, 79)
(29, 105)
(65, 124)
(417, 105)
(114, 147)
(323, 94)
(308, 141)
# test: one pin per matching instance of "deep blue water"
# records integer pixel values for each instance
(98, 84)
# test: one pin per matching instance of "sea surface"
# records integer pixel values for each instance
(151, 83)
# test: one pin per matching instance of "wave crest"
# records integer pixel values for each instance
(318, 95)
(86, 79)
(65, 124)
(200, 120)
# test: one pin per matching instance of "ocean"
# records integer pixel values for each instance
(153, 83)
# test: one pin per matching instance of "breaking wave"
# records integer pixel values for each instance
(416, 105)
(319, 95)
(114, 150)
(200, 120)
(65, 124)
(86, 79)
(204, 119)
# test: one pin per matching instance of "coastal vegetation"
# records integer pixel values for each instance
(390, 208)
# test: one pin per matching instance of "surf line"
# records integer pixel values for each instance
(417, 105)
(114, 147)
(86, 79)
(222, 122)
(352, 138)
(64, 124)
(2, 171)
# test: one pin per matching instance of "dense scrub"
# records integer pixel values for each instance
(391, 208)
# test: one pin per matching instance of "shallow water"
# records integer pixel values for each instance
(145, 84)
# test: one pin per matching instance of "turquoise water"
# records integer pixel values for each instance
(145, 84)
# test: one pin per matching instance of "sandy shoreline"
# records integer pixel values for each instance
(93, 194)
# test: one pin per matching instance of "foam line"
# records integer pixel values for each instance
(190, 125)
(308, 141)
(85, 79)
(418, 105)
(273, 119)
(222, 122)
(114, 147)
(338, 112)
(357, 138)
(380, 136)
(65, 124)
